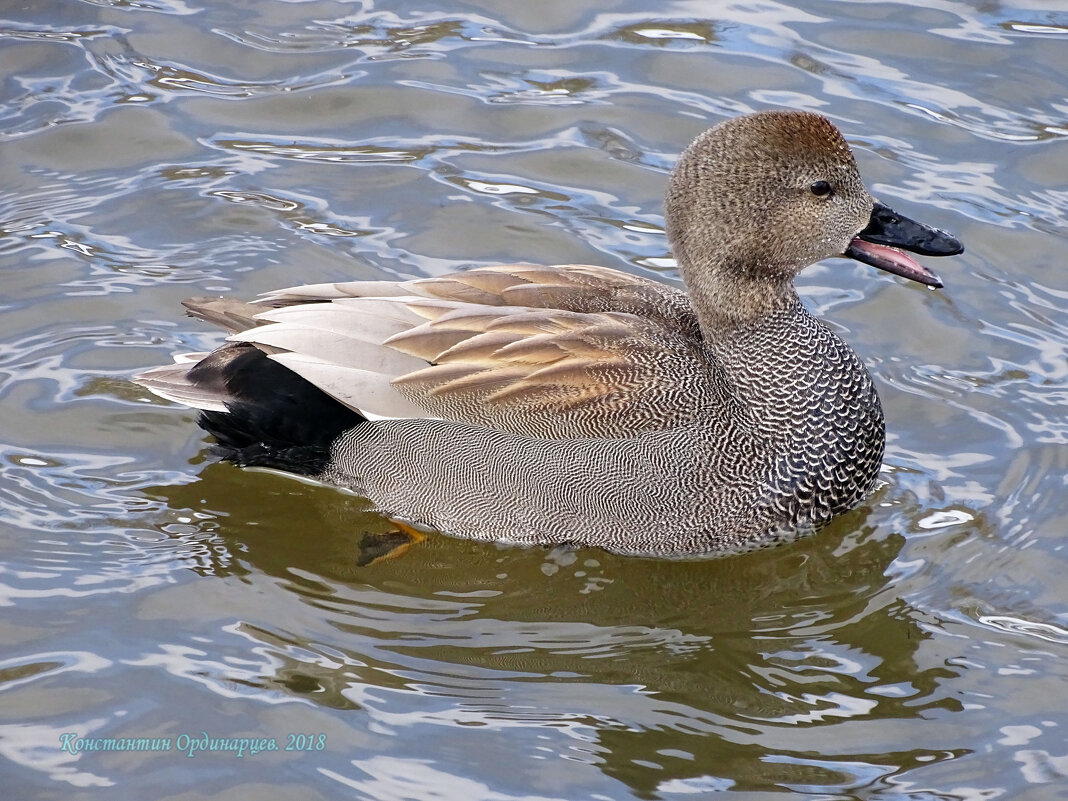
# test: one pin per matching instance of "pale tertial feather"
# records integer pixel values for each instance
(189, 358)
(358, 389)
(344, 320)
(331, 346)
(325, 292)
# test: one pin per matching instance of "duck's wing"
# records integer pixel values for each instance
(565, 287)
(459, 348)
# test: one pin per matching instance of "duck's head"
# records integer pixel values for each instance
(756, 199)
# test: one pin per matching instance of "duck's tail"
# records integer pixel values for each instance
(259, 412)
(274, 418)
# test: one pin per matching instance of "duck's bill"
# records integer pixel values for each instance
(888, 234)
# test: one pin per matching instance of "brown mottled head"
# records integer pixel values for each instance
(767, 194)
(756, 199)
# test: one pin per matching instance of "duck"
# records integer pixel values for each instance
(581, 405)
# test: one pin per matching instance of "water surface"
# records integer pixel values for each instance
(155, 150)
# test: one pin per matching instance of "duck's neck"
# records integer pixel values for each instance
(726, 299)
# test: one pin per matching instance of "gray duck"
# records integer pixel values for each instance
(580, 404)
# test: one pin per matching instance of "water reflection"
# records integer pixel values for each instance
(746, 651)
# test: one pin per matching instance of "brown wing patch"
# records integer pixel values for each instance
(543, 370)
(482, 349)
(575, 287)
(426, 343)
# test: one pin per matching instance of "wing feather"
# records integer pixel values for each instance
(544, 351)
(480, 349)
(362, 390)
(330, 346)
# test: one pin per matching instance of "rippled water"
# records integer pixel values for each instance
(157, 149)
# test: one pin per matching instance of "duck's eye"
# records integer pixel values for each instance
(821, 189)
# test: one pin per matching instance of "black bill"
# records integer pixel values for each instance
(888, 233)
